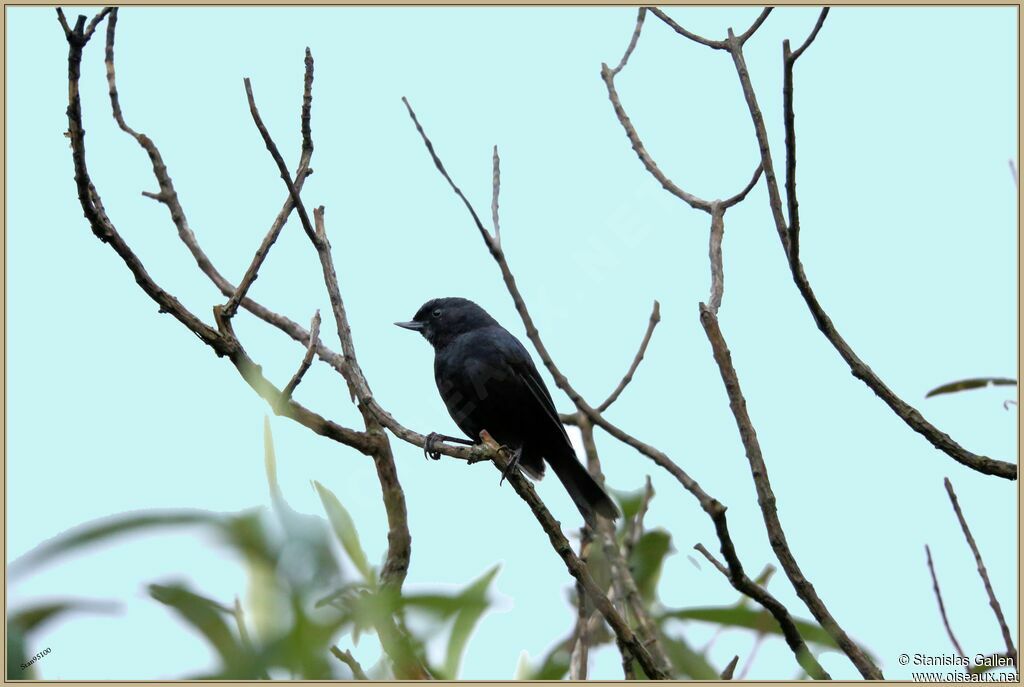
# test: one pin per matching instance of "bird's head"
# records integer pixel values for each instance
(443, 319)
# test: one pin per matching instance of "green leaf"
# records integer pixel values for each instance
(307, 534)
(759, 620)
(345, 529)
(974, 383)
(440, 605)
(647, 559)
(474, 604)
(996, 661)
(554, 665)
(106, 528)
(22, 623)
(206, 616)
(629, 502)
(687, 662)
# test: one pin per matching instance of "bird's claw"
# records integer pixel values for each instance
(513, 462)
(429, 451)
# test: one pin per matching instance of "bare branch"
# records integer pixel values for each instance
(636, 529)
(348, 659)
(68, 32)
(755, 26)
(286, 407)
(1011, 650)
(640, 15)
(303, 170)
(495, 190)
(92, 205)
(733, 200)
(715, 255)
(307, 360)
(275, 153)
(491, 241)
(608, 75)
(788, 60)
(579, 657)
(810, 38)
(628, 377)
(717, 45)
(711, 559)
(638, 146)
(731, 668)
(942, 606)
(766, 500)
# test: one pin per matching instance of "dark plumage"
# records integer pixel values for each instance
(488, 382)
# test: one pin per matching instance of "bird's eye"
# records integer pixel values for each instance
(436, 313)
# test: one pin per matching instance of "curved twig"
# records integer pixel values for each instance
(1011, 650)
(637, 359)
(942, 605)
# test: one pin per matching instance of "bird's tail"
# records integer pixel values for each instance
(586, 493)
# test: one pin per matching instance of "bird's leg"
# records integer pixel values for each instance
(429, 449)
(513, 463)
(513, 456)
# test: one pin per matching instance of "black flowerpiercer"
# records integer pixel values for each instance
(489, 382)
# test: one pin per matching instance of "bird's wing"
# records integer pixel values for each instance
(520, 361)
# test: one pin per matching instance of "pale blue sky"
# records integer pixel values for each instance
(906, 121)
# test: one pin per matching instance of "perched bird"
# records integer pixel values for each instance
(488, 382)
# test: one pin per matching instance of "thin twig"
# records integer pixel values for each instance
(755, 26)
(636, 527)
(1011, 650)
(942, 606)
(491, 241)
(652, 322)
(300, 174)
(307, 359)
(717, 233)
(717, 45)
(733, 200)
(640, 15)
(286, 177)
(495, 191)
(348, 659)
(579, 658)
(623, 582)
(731, 668)
(608, 75)
(641, 151)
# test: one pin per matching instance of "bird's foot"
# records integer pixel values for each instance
(430, 445)
(512, 456)
(429, 451)
(513, 463)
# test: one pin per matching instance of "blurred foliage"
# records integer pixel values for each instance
(311, 587)
(968, 384)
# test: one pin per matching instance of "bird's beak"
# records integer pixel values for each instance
(414, 326)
